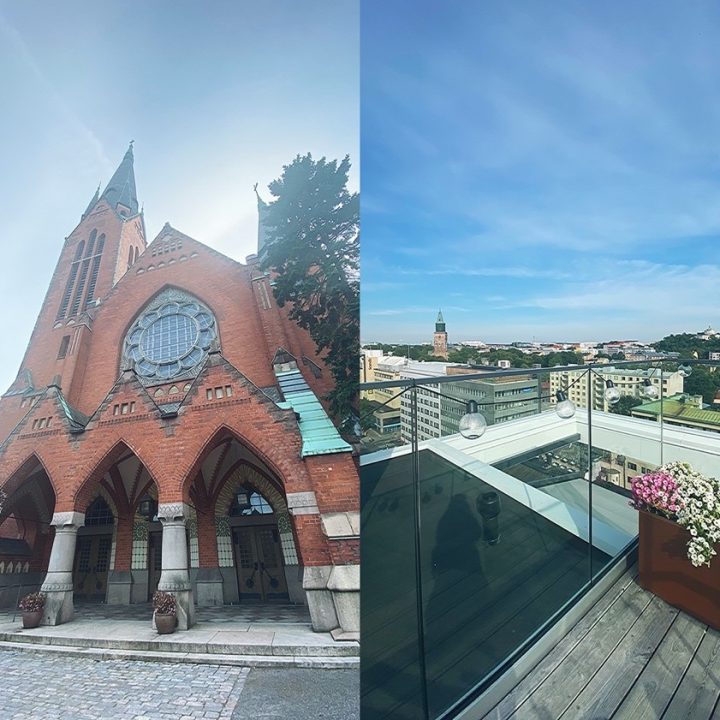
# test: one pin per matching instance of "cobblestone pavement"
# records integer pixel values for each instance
(36, 686)
(39, 686)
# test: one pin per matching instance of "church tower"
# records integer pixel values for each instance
(440, 337)
(96, 254)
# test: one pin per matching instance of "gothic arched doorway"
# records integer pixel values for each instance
(256, 547)
(93, 552)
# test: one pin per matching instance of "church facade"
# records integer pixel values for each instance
(166, 431)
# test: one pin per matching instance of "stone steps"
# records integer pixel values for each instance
(213, 642)
(259, 661)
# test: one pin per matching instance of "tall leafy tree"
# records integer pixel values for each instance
(625, 405)
(312, 244)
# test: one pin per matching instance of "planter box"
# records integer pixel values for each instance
(666, 570)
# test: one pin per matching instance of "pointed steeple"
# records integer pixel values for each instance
(263, 208)
(91, 205)
(440, 322)
(121, 188)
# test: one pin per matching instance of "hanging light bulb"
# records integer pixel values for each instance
(472, 423)
(564, 408)
(612, 394)
(649, 390)
(684, 370)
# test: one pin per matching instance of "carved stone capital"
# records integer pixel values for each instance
(167, 512)
(68, 519)
(57, 587)
(176, 586)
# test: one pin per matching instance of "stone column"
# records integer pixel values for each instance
(175, 577)
(58, 585)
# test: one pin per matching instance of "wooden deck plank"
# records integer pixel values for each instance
(661, 676)
(564, 683)
(699, 690)
(525, 688)
(609, 685)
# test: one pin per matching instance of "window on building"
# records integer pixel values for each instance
(62, 352)
(99, 513)
(258, 505)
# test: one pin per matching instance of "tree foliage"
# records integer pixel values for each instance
(312, 243)
(686, 344)
(625, 404)
(703, 381)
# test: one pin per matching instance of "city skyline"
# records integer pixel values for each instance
(548, 174)
(428, 339)
(212, 105)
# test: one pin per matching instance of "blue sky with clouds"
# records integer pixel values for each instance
(216, 95)
(540, 169)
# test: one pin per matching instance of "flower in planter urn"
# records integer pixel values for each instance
(34, 602)
(164, 603)
(656, 492)
(684, 495)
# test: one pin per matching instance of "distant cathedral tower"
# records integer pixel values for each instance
(440, 337)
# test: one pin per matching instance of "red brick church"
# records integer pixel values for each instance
(165, 431)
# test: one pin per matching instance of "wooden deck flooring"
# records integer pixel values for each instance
(631, 657)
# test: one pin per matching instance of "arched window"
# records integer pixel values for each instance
(71, 280)
(170, 338)
(89, 298)
(99, 513)
(87, 260)
(130, 256)
(249, 502)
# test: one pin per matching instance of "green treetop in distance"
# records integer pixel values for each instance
(312, 243)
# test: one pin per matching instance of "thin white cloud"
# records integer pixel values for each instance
(414, 310)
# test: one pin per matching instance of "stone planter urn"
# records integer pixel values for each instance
(165, 624)
(32, 619)
(165, 615)
(666, 570)
(32, 607)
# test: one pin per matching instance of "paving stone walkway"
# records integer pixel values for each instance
(40, 686)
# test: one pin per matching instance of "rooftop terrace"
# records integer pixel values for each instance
(494, 572)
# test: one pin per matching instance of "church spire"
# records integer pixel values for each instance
(91, 205)
(262, 215)
(120, 191)
(440, 322)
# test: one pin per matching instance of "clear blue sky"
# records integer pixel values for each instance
(540, 169)
(217, 96)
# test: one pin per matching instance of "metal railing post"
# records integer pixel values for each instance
(590, 395)
(417, 527)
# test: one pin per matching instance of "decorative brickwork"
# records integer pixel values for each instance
(82, 420)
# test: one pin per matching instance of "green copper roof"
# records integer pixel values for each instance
(121, 188)
(673, 407)
(320, 436)
(440, 317)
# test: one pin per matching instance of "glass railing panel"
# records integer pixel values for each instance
(392, 681)
(498, 560)
(382, 410)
